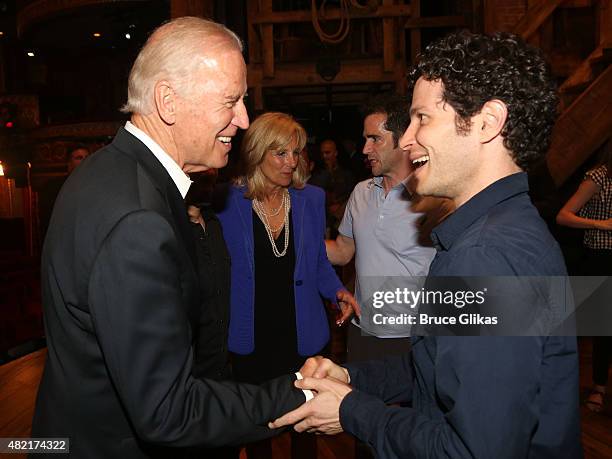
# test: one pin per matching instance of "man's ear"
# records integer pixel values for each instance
(492, 120)
(165, 101)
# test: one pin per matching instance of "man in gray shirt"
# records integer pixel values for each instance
(386, 228)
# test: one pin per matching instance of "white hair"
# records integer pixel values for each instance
(171, 53)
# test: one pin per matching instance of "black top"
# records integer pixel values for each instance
(275, 329)
(210, 338)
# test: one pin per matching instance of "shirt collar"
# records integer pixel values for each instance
(455, 224)
(180, 179)
(378, 182)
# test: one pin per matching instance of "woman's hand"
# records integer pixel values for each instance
(348, 306)
(195, 216)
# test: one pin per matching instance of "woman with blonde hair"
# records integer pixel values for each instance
(274, 226)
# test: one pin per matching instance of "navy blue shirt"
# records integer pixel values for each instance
(473, 396)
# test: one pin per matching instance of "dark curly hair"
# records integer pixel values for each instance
(477, 68)
(397, 109)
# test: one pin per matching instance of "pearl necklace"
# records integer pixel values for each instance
(273, 212)
(258, 208)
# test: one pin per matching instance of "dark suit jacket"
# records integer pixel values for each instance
(120, 296)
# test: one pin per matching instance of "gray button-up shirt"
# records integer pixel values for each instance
(388, 251)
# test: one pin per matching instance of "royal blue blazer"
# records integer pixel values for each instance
(313, 276)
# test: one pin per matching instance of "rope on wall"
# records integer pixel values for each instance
(345, 20)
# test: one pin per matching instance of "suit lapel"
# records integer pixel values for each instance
(298, 204)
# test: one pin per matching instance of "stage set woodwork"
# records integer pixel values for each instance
(61, 86)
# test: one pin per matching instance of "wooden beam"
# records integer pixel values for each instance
(576, 4)
(305, 74)
(435, 21)
(258, 103)
(490, 23)
(200, 8)
(267, 45)
(388, 40)
(604, 23)
(583, 73)
(253, 37)
(581, 129)
(282, 17)
(415, 33)
(535, 16)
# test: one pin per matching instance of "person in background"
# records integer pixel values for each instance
(308, 162)
(52, 187)
(210, 354)
(274, 228)
(356, 162)
(386, 227)
(339, 186)
(211, 357)
(590, 208)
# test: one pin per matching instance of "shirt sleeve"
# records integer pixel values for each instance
(139, 316)
(486, 389)
(346, 225)
(389, 379)
(596, 175)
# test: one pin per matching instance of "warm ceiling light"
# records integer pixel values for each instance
(30, 54)
(128, 36)
(97, 34)
(1, 170)
(1, 33)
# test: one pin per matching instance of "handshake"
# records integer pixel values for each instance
(321, 414)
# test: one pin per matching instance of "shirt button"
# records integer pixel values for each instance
(298, 283)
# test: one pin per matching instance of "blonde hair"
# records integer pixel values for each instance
(269, 132)
(171, 53)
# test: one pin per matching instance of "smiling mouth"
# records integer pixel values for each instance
(419, 162)
(225, 140)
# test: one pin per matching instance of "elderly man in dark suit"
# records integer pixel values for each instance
(120, 288)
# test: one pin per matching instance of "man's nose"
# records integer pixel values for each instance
(406, 141)
(367, 147)
(241, 117)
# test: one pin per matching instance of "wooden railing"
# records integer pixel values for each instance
(585, 121)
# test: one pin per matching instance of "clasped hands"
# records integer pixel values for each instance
(330, 384)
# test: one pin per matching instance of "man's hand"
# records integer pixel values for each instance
(319, 367)
(348, 305)
(322, 413)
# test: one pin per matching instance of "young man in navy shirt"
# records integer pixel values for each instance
(482, 111)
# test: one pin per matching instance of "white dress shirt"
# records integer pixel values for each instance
(180, 179)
